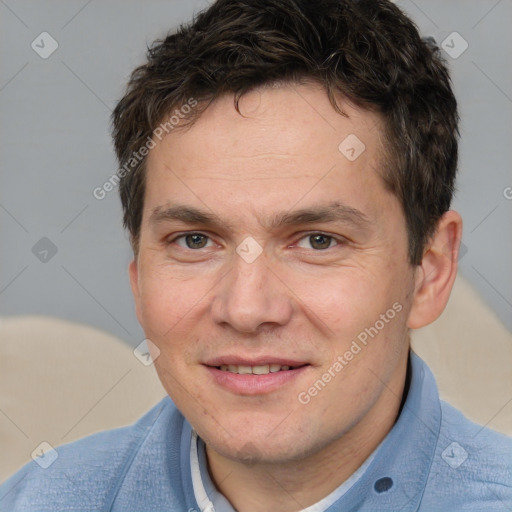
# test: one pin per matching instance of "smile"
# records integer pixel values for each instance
(263, 369)
(258, 378)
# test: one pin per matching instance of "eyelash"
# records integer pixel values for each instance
(339, 241)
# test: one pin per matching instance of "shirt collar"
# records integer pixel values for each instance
(397, 477)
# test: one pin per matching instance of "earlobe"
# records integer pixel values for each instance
(437, 272)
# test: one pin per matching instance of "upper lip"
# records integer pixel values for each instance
(258, 361)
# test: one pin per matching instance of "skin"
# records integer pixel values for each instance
(302, 298)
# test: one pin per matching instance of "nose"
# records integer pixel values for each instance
(250, 296)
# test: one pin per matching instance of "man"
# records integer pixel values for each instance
(286, 171)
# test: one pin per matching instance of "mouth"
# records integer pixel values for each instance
(256, 377)
(261, 369)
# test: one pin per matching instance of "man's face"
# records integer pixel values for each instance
(333, 265)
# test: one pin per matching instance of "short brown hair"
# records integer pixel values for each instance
(367, 51)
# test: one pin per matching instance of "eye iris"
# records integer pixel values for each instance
(320, 241)
(195, 241)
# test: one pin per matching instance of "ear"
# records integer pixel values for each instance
(133, 272)
(436, 274)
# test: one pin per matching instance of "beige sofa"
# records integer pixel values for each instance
(60, 381)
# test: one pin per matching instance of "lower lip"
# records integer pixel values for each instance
(250, 384)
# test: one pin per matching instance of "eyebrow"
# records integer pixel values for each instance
(332, 212)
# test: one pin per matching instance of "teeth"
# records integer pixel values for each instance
(260, 370)
(255, 370)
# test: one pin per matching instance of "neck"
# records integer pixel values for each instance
(294, 485)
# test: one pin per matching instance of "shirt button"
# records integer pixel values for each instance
(383, 484)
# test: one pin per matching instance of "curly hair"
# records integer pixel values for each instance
(366, 51)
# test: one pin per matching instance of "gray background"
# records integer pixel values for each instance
(55, 149)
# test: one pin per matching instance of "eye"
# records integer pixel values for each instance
(192, 241)
(318, 241)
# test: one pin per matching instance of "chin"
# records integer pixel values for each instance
(251, 446)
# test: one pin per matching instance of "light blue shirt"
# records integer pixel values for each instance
(433, 459)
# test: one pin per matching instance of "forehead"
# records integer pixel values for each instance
(294, 112)
(285, 145)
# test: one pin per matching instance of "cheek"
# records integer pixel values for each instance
(342, 300)
(163, 304)
(353, 307)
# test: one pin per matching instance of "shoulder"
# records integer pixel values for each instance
(472, 466)
(85, 474)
